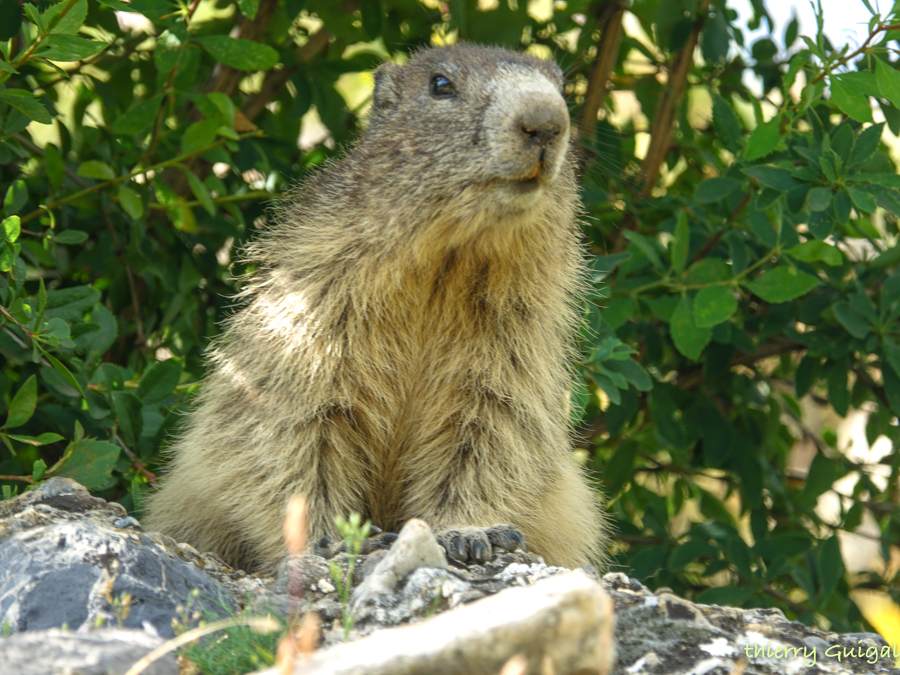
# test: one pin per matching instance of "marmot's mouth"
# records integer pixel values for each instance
(536, 171)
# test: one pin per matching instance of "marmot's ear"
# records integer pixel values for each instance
(387, 87)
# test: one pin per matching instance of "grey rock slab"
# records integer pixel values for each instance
(64, 562)
(562, 624)
(111, 651)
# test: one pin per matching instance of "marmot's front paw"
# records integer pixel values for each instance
(327, 548)
(476, 544)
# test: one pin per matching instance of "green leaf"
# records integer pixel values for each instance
(838, 393)
(16, 196)
(70, 237)
(71, 22)
(91, 462)
(783, 545)
(8, 256)
(830, 567)
(816, 251)
(709, 270)
(862, 200)
(888, 81)
(822, 475)
(725, 595)
(818, 199)
(23, 404)
(71, 304)
(201, 193)
(103, 339)
(128, 414)
(12, 228)
(777, 179)
(821, 223)
(681, 242)
(782, 284)
(854, 322)
(713, 305)
(728, 127)
(866, 144)
(62, 370)
(131, 201)
(646, 246)
(249, 8)
(67, 48)
(10, 19)
(805, 375)
(764, 140)
(237, 53)
(138, 119)
(689, 551)
(842, 206)
(38, 469)
(199, 135)
(689, 338)
(633, 372)
(96, 169)
(159, 381)
(892, 353)
(37, 441)
(850, 100)
(372, 13)
(53, 165)
(892, 388)
(715, 189)
(27, 104)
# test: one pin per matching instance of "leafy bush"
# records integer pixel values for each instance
(743, 227)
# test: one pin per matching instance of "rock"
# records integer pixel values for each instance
(662, 633)
(64, 561)
(67, 558)
(110, 651)
(415, 547)
(561, 625)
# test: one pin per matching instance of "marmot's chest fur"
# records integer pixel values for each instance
(404, 348)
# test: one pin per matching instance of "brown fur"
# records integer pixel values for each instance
(404, 349)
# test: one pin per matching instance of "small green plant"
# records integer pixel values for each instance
(241, 645)
(354, 534)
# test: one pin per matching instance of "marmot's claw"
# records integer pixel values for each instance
(478, 544)
(457, 549)
(324, 548)
(380, 541)
(506, 537)
(480, 550)
(327, 548)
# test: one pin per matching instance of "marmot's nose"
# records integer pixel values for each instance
(542, 134)
(542, 125)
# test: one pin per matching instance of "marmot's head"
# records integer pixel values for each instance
(478, 122)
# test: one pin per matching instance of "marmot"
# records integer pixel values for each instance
(404, 350)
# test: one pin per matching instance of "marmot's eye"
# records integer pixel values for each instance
(441, 87)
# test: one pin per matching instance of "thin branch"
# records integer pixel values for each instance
(78, 180)
(607, 50)
(136, 464)
(876, 388)
(672, 94)
(276, 79)
(5, 312)
(141, 340)
(862, 49)
(136, 172)
(23, 479)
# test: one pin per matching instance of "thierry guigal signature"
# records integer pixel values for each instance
(871, 653)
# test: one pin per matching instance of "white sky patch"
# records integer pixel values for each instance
(846, 21)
